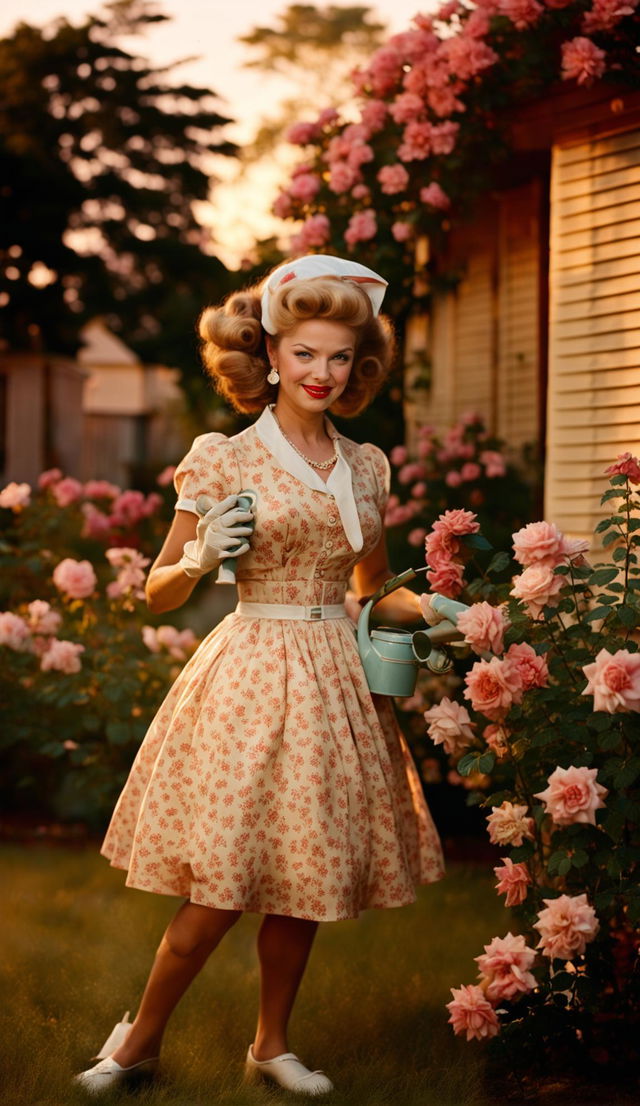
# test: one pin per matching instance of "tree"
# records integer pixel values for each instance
(314, 48)
(102, 157)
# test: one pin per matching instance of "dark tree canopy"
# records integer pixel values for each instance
(102, 157)
(304, 31)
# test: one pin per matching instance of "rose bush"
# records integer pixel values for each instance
(550, 727)
(432, 129)
(82, 673)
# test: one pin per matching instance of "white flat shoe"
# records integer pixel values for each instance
(287, 1071)
(109, 1073)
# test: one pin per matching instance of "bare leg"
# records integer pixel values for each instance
(190, 938)
(284, 945)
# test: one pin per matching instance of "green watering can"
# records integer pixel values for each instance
(391, 657)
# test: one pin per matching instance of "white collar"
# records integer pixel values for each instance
(339, 484)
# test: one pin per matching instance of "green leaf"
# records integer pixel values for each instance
(564, 866)
(603, 576)
(618, 479)
(609, 538)
(628, 773)
(620, 553)
(605, 524)
(596, 613)
(579, 858)
(609, 739)
(476, 762)
(118, 733)
(628, 616)
(499, 562)
(612, 493)
(475, 541)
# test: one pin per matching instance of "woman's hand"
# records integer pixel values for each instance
(217, 535)
(370, 573)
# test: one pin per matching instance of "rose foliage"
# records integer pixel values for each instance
(431, 123)
(547, 723)
(82, 673)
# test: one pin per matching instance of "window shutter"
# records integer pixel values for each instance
(593, 404)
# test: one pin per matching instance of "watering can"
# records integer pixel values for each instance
(246, 502)
(391, 657)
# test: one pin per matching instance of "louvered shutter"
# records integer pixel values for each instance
(593, 409)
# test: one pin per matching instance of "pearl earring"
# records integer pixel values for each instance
(274, 376)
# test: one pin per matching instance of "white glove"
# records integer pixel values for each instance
(217, 536)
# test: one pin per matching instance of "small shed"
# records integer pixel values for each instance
(535, 307)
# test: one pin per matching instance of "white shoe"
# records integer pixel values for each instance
(289, 1072)
(108, 1073)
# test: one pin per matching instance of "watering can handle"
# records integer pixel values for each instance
(394, 583)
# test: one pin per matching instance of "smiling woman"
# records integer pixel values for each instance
(271, 780)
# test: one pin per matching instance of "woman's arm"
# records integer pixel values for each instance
(371, 572)
(167, 585)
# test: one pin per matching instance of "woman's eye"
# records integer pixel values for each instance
(341, 357)
(302, 353)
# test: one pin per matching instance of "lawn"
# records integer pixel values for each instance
(77, 946)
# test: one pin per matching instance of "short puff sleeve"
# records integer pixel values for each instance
(209, 468)
(382, 474)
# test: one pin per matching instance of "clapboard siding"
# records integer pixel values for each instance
(593, 409)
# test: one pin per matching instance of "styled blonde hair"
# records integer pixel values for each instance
(233, 342)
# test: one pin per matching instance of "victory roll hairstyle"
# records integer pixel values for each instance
(234, 352)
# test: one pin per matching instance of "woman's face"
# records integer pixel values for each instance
(314, 361)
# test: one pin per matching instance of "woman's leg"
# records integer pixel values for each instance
(284, 945)
(189, 940)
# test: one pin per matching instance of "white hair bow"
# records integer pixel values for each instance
(316, 265)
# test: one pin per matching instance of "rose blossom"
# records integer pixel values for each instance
(374, 115)
(567, 926)
(472, 1013)
(494, 463)
(14, 632)
(513, 880)
(406, 107)
(42, 618)
(614, 681)
(582, 60)
(483, 627)
(538, 587)
(493, 687)
(305, 187)
(302, 134)
(101, 489)
(522, 13)
(532, 669)
(573, 795)
(165, 478)
(504, 968)
(48, 477)
(15, 496)
(416, 537)
(508, 824)
(67, 491)
(315, 231)
(446, 577)
(96, 523)
(538, 543)
(417, 142)
(62, 656)
(393, 178)
(449, 724)
(496, 738)
(433, 196)
(75, 578)
(606, 14)
(398, 455)
(362, 227)
(625, 465)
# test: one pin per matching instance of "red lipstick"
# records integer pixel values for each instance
(316, 393)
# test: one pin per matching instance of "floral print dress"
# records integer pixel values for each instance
(270, 780)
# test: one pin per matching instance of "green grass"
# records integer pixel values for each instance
(77, 946)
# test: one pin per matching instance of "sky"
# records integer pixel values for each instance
(210, 29)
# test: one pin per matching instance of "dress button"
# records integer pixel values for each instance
(332, 520)
(328, 545)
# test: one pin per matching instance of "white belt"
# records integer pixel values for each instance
(291, 610)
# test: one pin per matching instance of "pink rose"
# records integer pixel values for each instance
(67, 491)
(362, 226)
(42, 618)
(605, 15)
(446, 577)
(532, 669)
(416, 537)
(100, 489)
(504, 968)
(625, 465)
(14, 496)
(470, 471)
(513, 881)
(496, 738)
(567, 926)
(457, 522)
(433, 196)
(582, 60)
(128, 509)
(76, 579)
(401, 231)
(96, 523)
(342, 177)
(302, 134)
(538, 543)
(393, 178)
(508, 824)
(49, 477)
(178, 643)
(472, 1013)
(449, 724)
(14, 632)
(164, 479)
(315, 232)
(453, 479)
(538, 587)
(416, 143)
(493, 687)
(305, 187)
(614, 681)
(406, 107)
(282, 206)
(573, 795)
(483, 627)
(398, 455)
(522, 13)
(374, 115)
(494, 463)
(62, 656)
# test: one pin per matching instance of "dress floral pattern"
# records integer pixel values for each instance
(270, 779)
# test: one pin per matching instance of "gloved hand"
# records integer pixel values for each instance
(217, 535)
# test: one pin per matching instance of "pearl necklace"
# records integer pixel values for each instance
(314, 464)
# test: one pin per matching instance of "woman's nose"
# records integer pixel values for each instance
(322, 369)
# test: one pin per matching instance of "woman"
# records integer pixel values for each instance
(269, 780)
